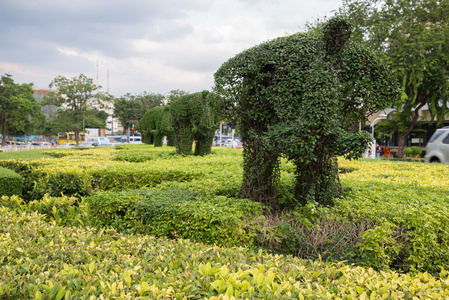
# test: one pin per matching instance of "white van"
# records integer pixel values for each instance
(437, 149)
(99, 140)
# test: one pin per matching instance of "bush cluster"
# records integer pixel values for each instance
(65, 211)
(41, 260)
(175, 213)
(413, 151)
(10, 182)
(393, 215)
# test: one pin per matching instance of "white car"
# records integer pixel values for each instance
(437, 149)
(88, 144)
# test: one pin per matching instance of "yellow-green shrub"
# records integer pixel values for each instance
(39, 260)
(67, 211)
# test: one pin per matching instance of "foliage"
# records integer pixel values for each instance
(74, 97)
(79, 173)
(174, 213)
(95, 118)
(298, 96)
(413, 151)
(10, 182)
(404, 203)
(64, 211)
(19, 111)
(312, 232)
(133, 107)
(416, 150)
(413, 35)
(412, 199)
(45, 261)
(194, 119)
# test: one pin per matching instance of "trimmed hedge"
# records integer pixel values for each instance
(80, 173)
(39, 260)
(10, 182)
(175, 213)
(393, 214)
(410, 202)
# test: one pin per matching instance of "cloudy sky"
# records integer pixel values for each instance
(141, 45)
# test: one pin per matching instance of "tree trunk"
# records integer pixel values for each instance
(401, 145)
(401, 137)
(4, 132)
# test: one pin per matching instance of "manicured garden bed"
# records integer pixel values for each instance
(138, 221)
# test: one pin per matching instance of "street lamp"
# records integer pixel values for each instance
(382, 116)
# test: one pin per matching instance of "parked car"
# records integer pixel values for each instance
(88, 144)
(437, 149)
(110, 144)
(6, 148)
(233, 144)
(42, 144)
(66, 145)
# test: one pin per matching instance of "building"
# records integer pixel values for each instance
(113, 125)
(48, 110)
(423, 129)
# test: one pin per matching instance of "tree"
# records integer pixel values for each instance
(298, 96)
(414, 35)
(74, 98)
(19, 111)
(133, 107)
(95, 118)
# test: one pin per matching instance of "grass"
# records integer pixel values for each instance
(24, 155)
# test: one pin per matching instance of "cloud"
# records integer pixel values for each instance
(144, 45)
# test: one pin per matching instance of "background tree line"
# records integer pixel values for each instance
(411, 36)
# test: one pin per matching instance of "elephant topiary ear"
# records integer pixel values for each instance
(336, 33)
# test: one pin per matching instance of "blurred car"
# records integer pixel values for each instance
(87, 144)
(5, 148)
(233, 144)
(437, 149)
(12, 143)
(41, 144)
(109, 144)
(66, 145)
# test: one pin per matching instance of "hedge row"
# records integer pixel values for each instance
(80, 173)
(175, 213)
(411, 202)
(39, 260)
(10, 182)
(394, 212)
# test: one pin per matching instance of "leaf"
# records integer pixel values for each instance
(91, 267)
(127, 278)
(38, 295)
(60, 294)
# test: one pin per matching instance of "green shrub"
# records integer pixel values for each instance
(412, 151)
(10, 182)
(175, 213)
(408, 152)
(40, 260)
(416, 150)
(217, 220)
